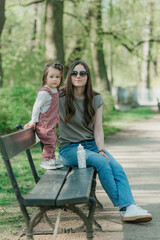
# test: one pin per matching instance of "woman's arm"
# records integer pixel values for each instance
(98, 132)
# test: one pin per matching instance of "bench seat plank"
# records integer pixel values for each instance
(77, 187)
(46, 190)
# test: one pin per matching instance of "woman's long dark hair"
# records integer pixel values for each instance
(68, 90)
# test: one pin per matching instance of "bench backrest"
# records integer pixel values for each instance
(13, 144)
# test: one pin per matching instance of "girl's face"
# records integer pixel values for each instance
(53, 78)
(79, 76)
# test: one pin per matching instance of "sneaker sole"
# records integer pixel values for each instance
(59, 166)
(49, 168)
(137, 219)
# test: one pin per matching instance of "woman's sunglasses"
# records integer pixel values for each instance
(81, 73)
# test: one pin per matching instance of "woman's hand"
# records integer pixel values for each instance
(103, 153)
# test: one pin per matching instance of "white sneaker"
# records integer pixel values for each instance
(122, 213)
(58, 164)
(136, 214)
(51, 164)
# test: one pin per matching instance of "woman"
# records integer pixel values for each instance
(80, 122)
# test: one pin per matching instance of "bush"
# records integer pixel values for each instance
(16, 106)
(17, 103)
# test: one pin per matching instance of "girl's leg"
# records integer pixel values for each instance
(49, 141)
(48, 152)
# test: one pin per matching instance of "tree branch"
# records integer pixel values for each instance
(133, 46)
(79, 20)
(130, 49)
(30, 3)
(143, 41)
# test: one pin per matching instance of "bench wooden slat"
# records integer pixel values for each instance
(12, 144)
(47, 189)
(77, 187)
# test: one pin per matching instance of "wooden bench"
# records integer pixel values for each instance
(63, 188)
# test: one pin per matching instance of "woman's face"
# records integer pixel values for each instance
(79, 76)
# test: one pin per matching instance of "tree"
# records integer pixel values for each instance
(54, 49)
(2, 21)
(147, 47)
(97, 44)
(36, 27)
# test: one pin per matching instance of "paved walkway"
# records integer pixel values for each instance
(137, 148)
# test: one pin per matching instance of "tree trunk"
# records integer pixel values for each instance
(110, 50)
(2, 21)
(150, 46)
(34, 27)
(110, 64)
(99, 64)
(147, 49)
(54, 49)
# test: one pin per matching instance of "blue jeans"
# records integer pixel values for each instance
(111, 174)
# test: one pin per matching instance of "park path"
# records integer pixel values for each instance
(137, 148)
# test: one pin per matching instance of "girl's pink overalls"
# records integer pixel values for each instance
(46, 127)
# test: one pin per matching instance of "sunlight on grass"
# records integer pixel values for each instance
(120, 119)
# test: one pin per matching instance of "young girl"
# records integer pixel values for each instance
(45, 114)
(80, 122)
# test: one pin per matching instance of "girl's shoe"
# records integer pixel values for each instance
(134, 213)
(58, 164)
(51, 164)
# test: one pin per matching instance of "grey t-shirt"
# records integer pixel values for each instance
(75, 131)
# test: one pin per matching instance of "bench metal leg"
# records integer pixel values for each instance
(57, 224)
(35, 219)
(100, 205)
(97, 224)
(88, 220)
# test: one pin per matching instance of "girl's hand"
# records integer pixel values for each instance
(30, 125)
(103, 153)
(26, 125)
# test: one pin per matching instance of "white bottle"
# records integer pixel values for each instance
(81, 155)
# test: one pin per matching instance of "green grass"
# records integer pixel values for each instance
(11, 221)
(118, 120)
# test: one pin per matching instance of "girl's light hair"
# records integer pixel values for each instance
(58, 66)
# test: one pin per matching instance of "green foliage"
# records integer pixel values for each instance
(16, 106)
(23, 57)
(118, 120)
(108, 105)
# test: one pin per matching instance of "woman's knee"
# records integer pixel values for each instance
(98, 161)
